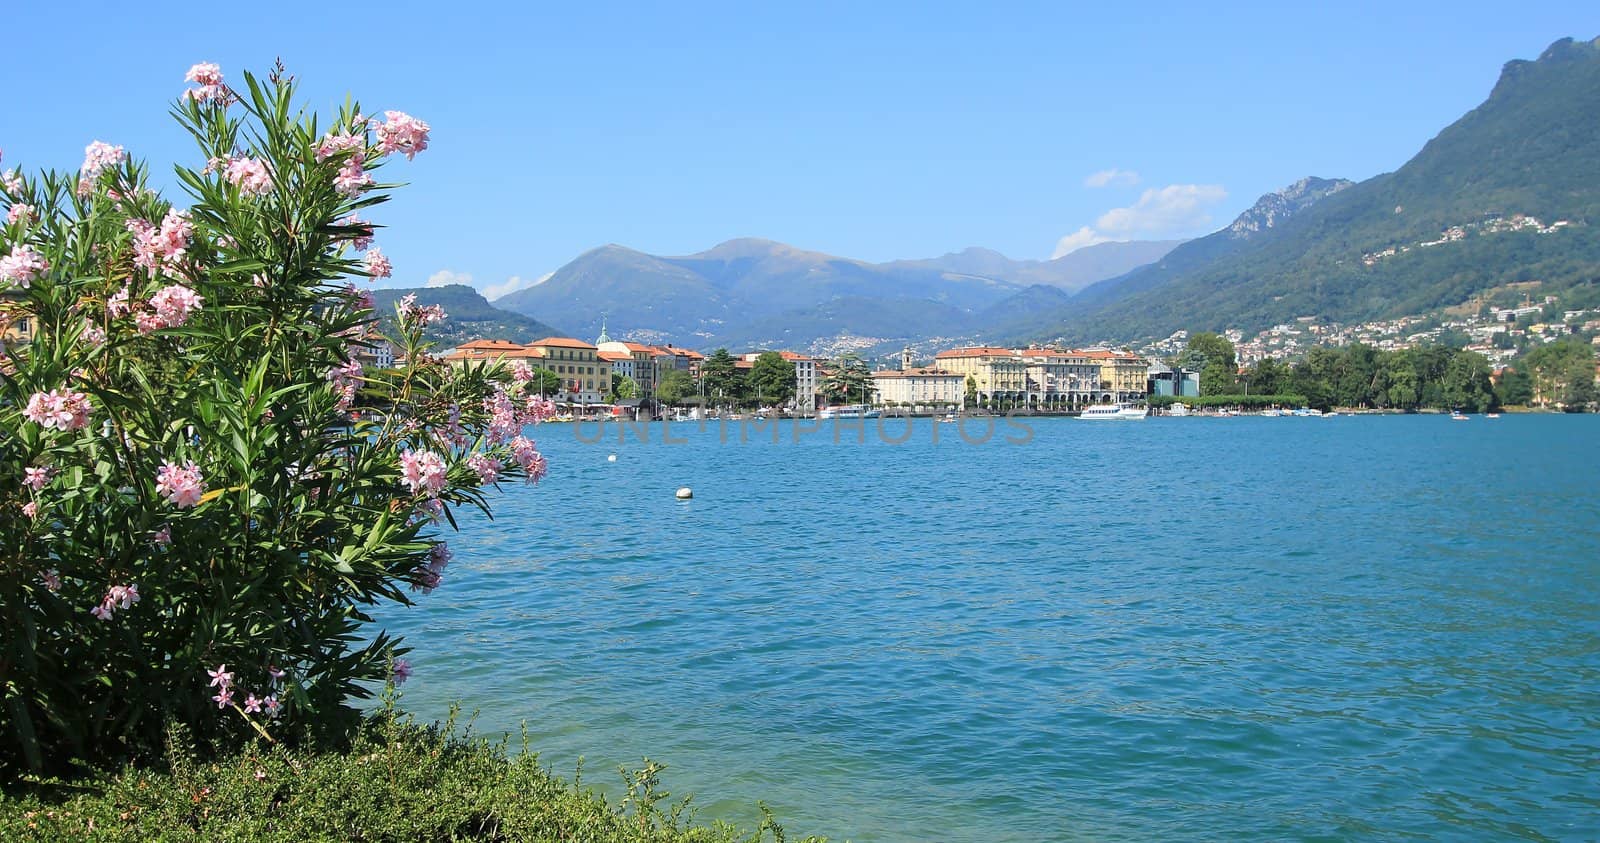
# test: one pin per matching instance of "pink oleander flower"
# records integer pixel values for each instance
(423, 316)
(363, 239)
(400, 672)
(346, 379)
(250, 175)
(425, 579)
(23, 265)
(59, 409)
(182, 486)
(37, 478)
(118, 304)
(352, 178)
(423, 472)
(51, 580)
(252, 705)
(536, 409)
(98, 156)
(174, 303)
(428, 509)
(30, 509)
(147, 322)
(487, 467)
(117, 597)
(163, 536)
(439, 557)
(527, 455)
(378, 265)
(401, 132)
(20, 211)
(521, 373)
(271, 705)
(11, 181)
(221, 677)
(333, 144)
(164, 246)
(209, 77)
(92, 334)
(224, 697)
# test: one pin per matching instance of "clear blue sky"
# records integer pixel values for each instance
(872, 130)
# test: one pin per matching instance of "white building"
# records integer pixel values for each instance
(920, 387)
(805, 378)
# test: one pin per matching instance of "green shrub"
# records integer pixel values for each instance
(202, 487)
(397, 782)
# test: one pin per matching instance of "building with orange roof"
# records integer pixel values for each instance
(1124, 376)
(641, 365)
(920, 387)
(1060, 379)
(584, 377)
(805, 378)
(491, 351)
(998, 374)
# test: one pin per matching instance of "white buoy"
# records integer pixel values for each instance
(685, 493)
(612, 458)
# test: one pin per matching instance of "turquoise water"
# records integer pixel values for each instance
(1350, 628)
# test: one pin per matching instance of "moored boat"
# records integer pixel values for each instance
(1113, 412)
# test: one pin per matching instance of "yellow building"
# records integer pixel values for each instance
(585, 378)
(493, 351)
(1060, 378)
(1124, 376)
(920, 387)
(998, 372)
(642, 367)
(16, 321)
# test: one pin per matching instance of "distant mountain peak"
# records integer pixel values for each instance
(1272, 209)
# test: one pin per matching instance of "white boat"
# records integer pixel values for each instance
(849, 411)
(1179, 410)
(1114, 412)
(1492, 416)
(1457, 415)
(1272, 412)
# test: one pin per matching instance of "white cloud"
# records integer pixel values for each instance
(513, 284)
(444, 278)
(1112, 178)
(1174, 209)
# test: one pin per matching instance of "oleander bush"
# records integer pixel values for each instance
(398, 782)
(208, 476)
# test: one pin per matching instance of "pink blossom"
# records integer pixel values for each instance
(527, 455)
(22, 266)
(521, 373)
(423, 472)
(536, 409)
(209, 77)
(439, 557)
(401, 671)
(30, 509)
(345, 380)
(11, 182)
(378, 265)
(250, 175)
(117, 597)
(334, 144)
(147, 322)
(51, 579)
(224, 697)
(271, 704)
(118, 304)
(59, 409)
(252, 705)
(425, 579)
(98, 156)
(487, 467)
(221, 677)
(182, 486)
(401, 132)
(92, 334)
(163, 536)
(410, 313)
(352, 178)
(428, 509)
(155, 248)
(363, 238)
(174, 303)
(37, 478)
(20, 211)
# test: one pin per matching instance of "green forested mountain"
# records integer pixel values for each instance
(468, 315)
(1450, 222)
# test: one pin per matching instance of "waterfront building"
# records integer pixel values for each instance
(585, 378)
(1060, 379)
(1124, 376)
(805, 378)
(1000, 373)
(642, 365)
(925, 387)
(621, 364)
(489, 351)
(1165, 380)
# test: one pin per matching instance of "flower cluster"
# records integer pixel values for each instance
(413, 314)
(37, 478)
(527, 455)
(378, 265)
(157, 247)
(100, 155)
(21, 211)
(352, 177)
(427, 576)
(171, 306)
(346, 379)
(59, 409)
(22, 265)
(400, 132)
(250, 175)
(487, 468)
(117, 597)
(209, 77)
(182, 486)
(423, 472)
(362, 241)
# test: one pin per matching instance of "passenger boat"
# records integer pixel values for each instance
(849, 411)
(1179, 410)
(1113, 412)
(1457, 415)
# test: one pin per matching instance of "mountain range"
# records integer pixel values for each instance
(1509, 192)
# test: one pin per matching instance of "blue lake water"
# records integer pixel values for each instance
(1347, 628)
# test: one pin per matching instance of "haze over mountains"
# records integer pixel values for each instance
(1452, 221)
